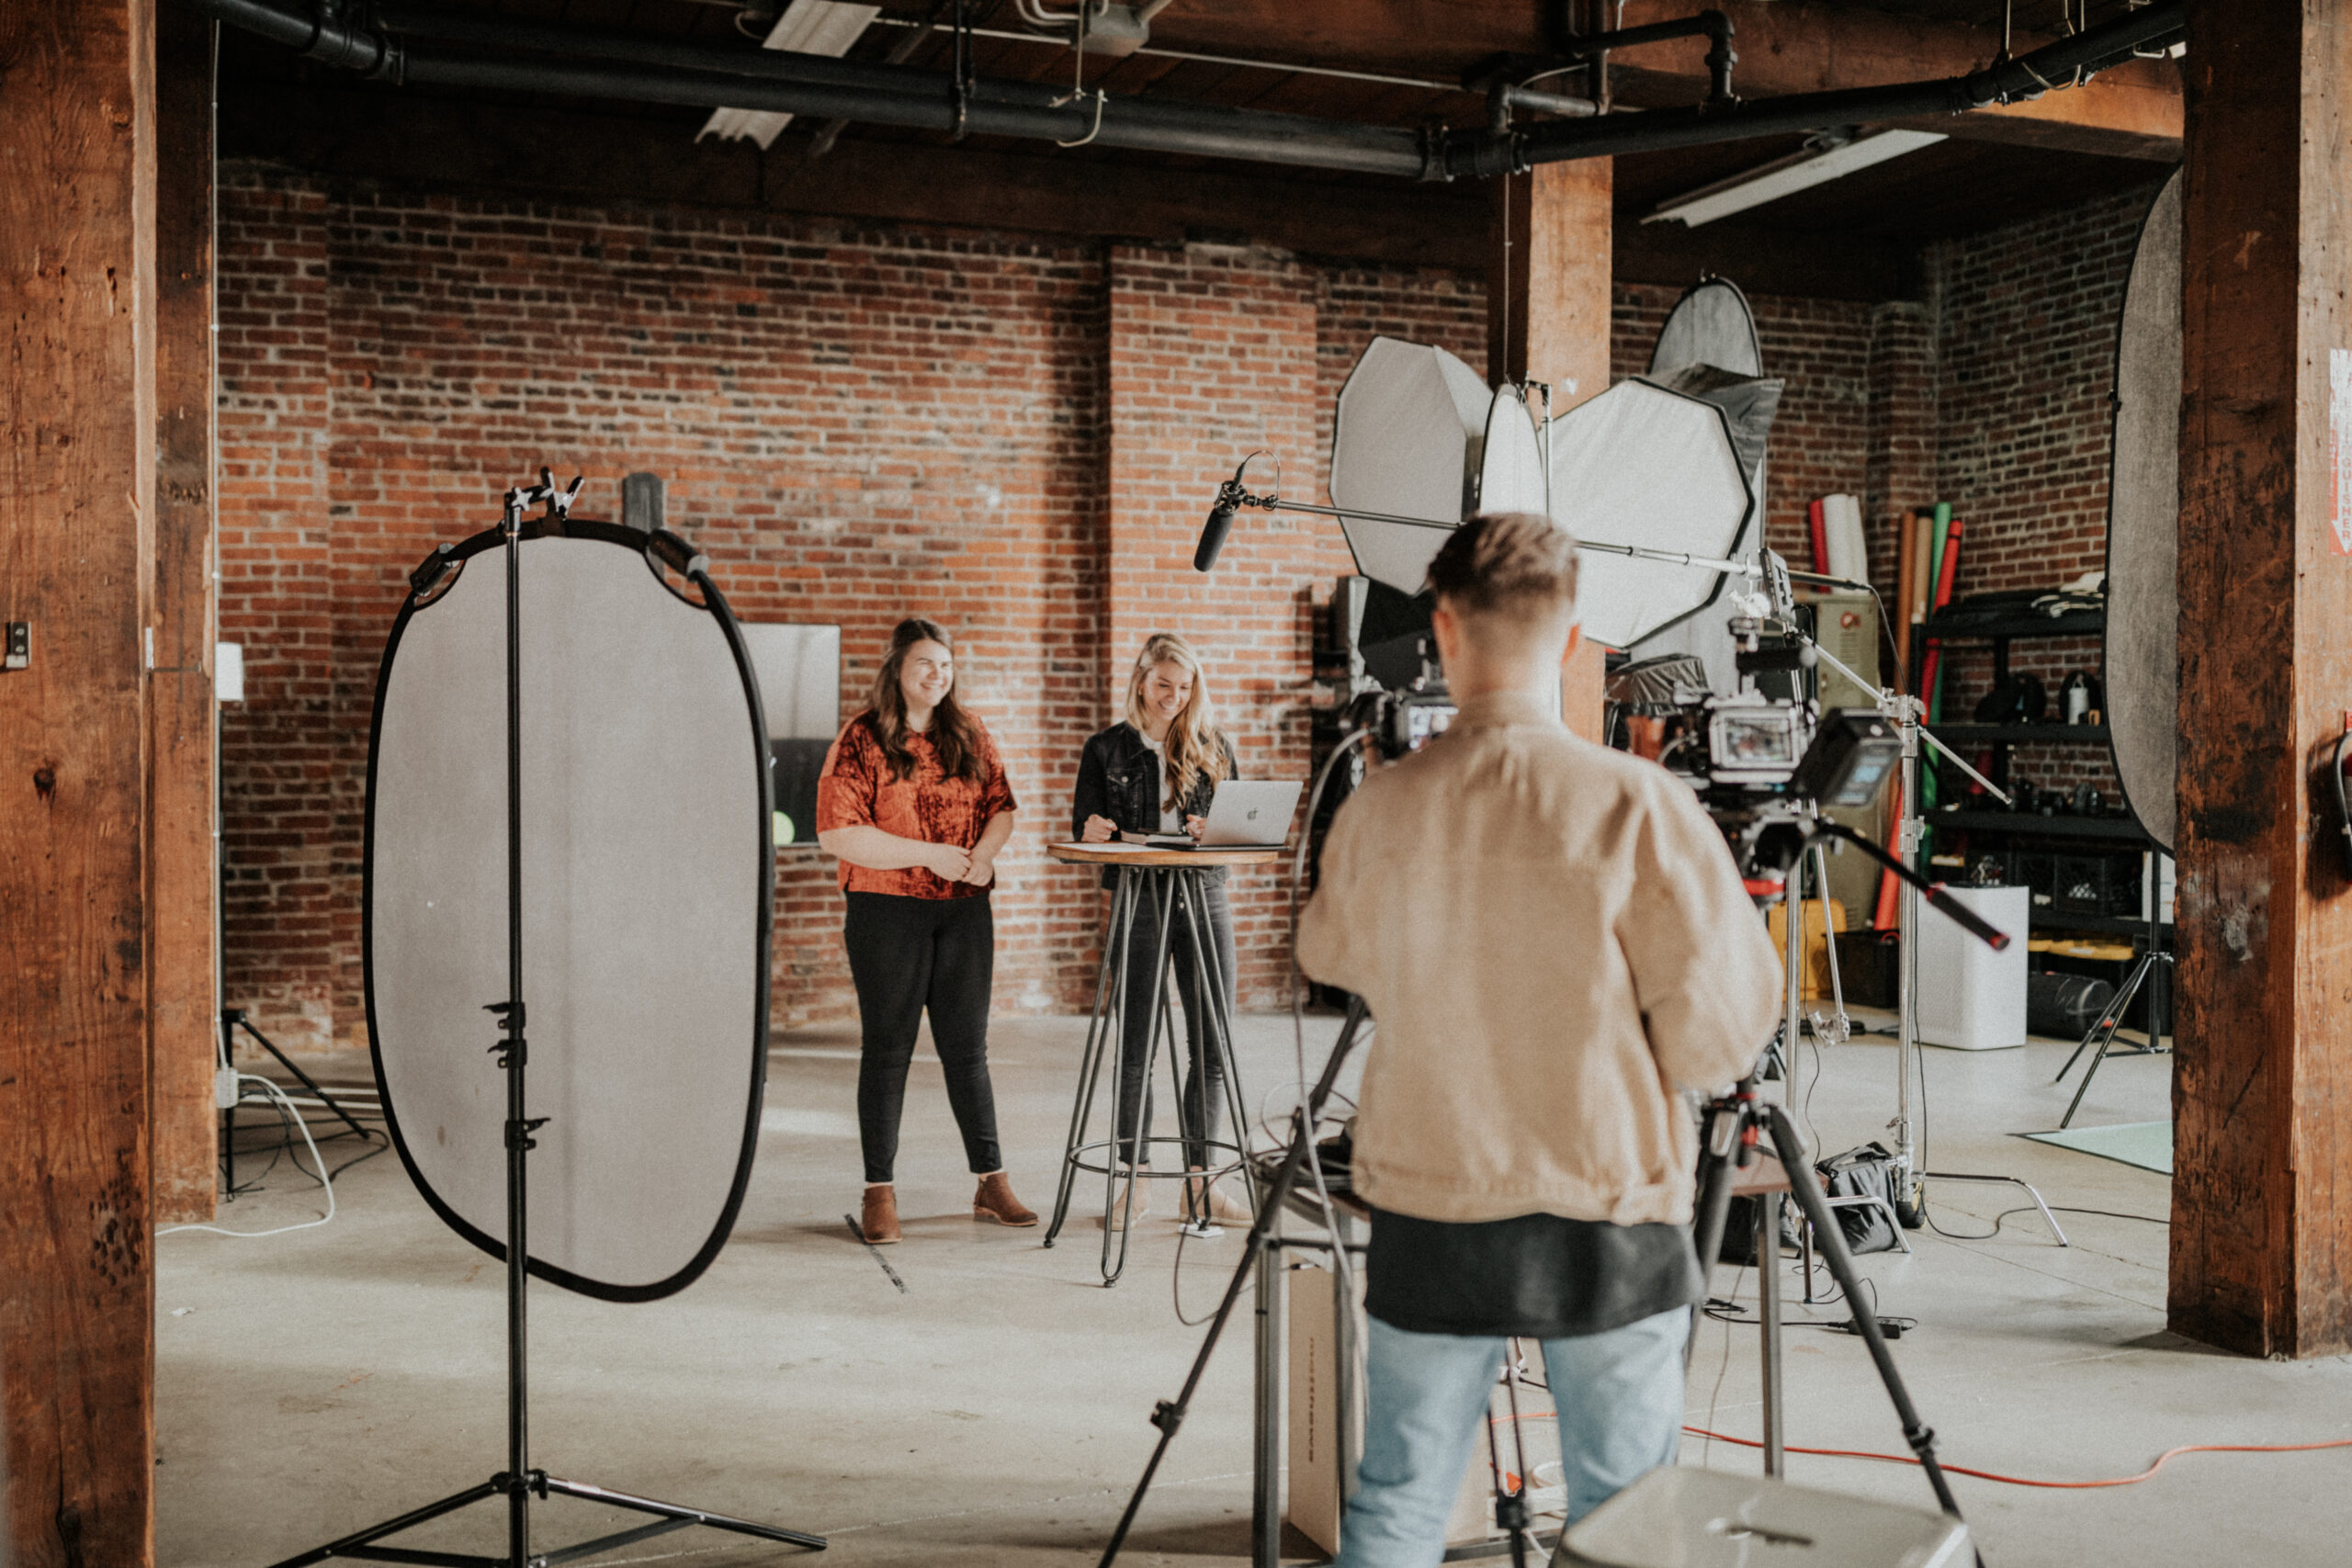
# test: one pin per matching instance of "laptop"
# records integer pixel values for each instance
(1245, 815)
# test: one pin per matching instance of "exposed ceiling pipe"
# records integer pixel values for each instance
(2062, 63)
(646, 70)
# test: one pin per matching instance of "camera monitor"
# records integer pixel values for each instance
(2142, 665)
(646, 881)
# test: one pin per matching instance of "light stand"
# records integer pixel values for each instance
(1907, 714)
(1169, 1415)
(1738, 1121)
(518, 1483)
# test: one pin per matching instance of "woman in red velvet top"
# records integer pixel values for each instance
(914, 802)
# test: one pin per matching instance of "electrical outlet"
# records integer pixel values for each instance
(18, 651)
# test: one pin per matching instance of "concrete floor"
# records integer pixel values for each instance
(996, 1411)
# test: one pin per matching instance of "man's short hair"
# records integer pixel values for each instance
(1518, 565)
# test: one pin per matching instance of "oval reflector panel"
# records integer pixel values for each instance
(646, 883)
(2142, 665)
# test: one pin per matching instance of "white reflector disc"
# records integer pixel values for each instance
(2142, 671)
(1639, 464)
(646, 879)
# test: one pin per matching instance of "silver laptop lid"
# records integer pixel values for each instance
(1251, 813)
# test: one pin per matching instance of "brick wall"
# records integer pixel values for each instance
(2025, 320)
(854, 425)
(1017, 439)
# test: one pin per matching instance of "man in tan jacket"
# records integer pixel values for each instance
(1554, 942)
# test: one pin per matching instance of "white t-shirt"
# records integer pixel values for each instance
(1170, 821)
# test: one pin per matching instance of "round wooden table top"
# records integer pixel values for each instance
(1159, 860)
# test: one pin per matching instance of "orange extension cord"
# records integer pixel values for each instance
(2162, 1458)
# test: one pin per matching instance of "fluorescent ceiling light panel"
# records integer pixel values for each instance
(806, 27)
(1786, 176)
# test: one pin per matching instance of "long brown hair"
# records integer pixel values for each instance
(955, 735)
(1193, 746)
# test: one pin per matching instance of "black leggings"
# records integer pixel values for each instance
(906, 955)
(1201, 1109)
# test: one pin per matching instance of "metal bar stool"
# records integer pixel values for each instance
(1173, 881)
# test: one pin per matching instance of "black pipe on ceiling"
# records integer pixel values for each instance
(628, 67)
(648, 70)
(2053, 66)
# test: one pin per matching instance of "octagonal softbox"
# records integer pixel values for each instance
(646, 881)
(1418, 435)
(1641, 464)
(2142, 654)
(1711, 328)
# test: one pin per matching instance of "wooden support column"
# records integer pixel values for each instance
(2262, 1086)
(77, 438)
(1547, 320)
(183, 871)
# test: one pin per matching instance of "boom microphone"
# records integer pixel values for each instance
(1220, 522)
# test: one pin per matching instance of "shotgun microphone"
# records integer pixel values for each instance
(1220, 522)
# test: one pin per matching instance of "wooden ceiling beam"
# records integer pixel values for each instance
(1784, 47)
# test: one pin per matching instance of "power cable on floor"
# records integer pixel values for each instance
(2161, 1460)
(324, 1178)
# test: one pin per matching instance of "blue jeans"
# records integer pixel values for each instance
(1618, 1395)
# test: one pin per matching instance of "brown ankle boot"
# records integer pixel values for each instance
(995, 1200)
(879, 1221)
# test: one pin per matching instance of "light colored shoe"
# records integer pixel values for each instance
(878, 1220)
(1133, 1202)
(1220, 1209)
(995, 1200)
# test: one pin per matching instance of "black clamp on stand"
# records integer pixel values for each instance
(519, 1482)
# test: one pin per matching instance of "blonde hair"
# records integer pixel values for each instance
(1192, 745)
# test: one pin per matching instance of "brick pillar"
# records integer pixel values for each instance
(1212, 356)
(280, 751)
(1899, 464)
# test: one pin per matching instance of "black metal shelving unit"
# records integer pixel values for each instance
(2056, 831)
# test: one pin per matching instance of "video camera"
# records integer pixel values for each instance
(1764, 766)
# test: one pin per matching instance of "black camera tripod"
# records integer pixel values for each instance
(1736, 1125)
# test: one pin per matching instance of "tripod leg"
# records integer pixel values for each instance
(1767, 1311)
(449, 1505)
(1807, 1191)
(676, 1516)
(1714, 1209)
(2109, 1024)
(1169, 1415)
(305, 1078)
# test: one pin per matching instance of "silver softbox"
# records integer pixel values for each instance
(645, 876)
(1419, 435)
(1709, 327)
(1640, 465)
(2143, 667)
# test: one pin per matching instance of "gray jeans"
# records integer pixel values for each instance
(1201, 1106)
